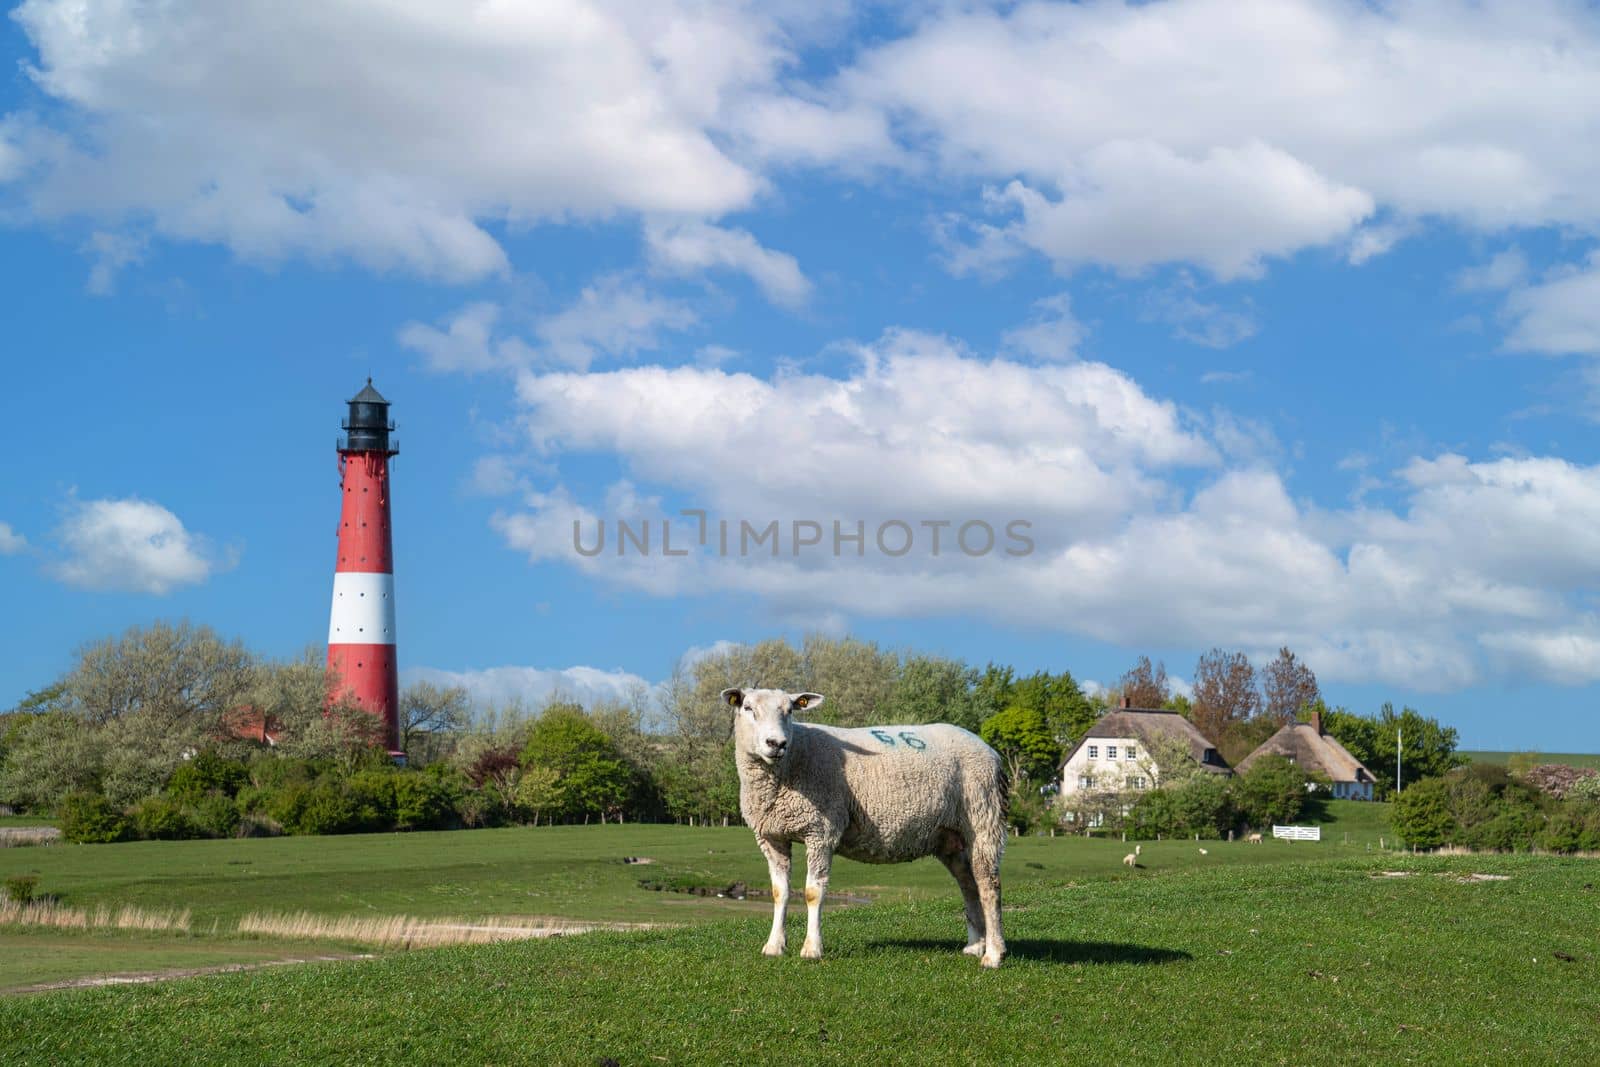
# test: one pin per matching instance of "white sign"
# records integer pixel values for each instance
(1298, 833)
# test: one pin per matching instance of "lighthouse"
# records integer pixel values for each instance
(361, 634)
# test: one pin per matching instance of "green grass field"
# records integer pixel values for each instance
(1571, 759)
(1245, 963)
(566, 872)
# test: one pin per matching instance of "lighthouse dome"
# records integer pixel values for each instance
(367, 427)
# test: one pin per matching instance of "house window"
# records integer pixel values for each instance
(1085, 781)
(1138, 782)
(1131, 752)
(1111, 752)
(1094, 751)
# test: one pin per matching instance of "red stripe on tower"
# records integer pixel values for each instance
(361, 637)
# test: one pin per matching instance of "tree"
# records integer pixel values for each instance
(539, 791)
(1273, 790)
(1224, 692)
(1059, 701)
(1429, 747)
(857, 677)
(178, 678)
(935, 689)
(48, 756)
(427, 713)
(1421, 814)
(991, 692)
(1289, 688)
(1144, 686)
(592, 776)
(1023, 740)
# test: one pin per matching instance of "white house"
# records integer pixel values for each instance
(1316, 752)
(1116, 755)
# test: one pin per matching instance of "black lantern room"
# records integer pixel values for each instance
(367, 427)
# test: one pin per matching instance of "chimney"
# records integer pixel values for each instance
(1124, 702)
(1316, 721)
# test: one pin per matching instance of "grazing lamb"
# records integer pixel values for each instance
(1254, 839)
(1132, 858)
(878, 795)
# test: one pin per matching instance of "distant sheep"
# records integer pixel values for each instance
(877, 795)
(1132, 858)
(1254, 839)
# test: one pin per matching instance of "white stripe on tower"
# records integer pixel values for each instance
(363, 609)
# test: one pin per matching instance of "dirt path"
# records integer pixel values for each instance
(145, 977)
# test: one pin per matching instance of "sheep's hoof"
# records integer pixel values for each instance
(773, 948)
(991, 960)
(809, 951)
(974, 949)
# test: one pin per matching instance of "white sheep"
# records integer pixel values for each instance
(1254, 839)
(1132, 858)
(884, 794)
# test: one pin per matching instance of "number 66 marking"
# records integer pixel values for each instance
(911, 739)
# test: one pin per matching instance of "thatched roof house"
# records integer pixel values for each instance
(1116, 753)
(1308, 746)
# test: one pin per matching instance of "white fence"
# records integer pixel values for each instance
(1298, 833)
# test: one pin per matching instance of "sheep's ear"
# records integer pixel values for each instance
(801, 701)
(733, 697)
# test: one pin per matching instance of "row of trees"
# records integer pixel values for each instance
(124, 730)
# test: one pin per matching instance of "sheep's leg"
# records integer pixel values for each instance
(819, 861)
(986, 871)
(960, 867)
(777, 853)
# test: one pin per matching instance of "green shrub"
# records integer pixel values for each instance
(424, 801)
(1273, 790)
(89, 818)
(207, 773)
(1421, 814)
(372, 792)
(328, 808)
(215, 816)
(22, 888)
(284, 805)
(161, 818)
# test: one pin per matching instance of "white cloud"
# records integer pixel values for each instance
(466, 341)
(130, 545)
(1227, 132)
(1505, 270)
(534, 686)
(1570, 657)
(1070, 441)
(612, 317)
(1194, 320)
(1052, 334)
(1372, 241)
(111, 252)
(1558, 315)
(392, 133)
(11, 542)
(1420, 596)
(693, 247)
(615, 316)
(1134, 204)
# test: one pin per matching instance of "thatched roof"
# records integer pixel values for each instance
(1313, 751)
(1150, 725)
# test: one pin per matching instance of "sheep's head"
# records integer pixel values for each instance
(761, 719)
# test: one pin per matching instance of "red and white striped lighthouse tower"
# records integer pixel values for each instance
(361, 628)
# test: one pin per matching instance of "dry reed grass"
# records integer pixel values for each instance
(20, 836)
(404, 931)
(101, 918)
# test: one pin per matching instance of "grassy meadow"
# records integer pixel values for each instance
(1571, 759)
(1288, 962)
(1255, 952)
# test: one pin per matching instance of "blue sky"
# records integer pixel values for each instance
(1277, 321)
